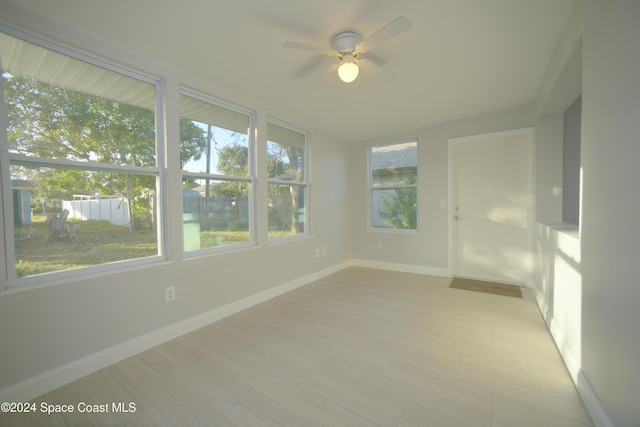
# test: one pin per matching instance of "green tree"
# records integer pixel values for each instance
(401, 211)
(193, 142)
(286, 162)
(276, 165)
(50, 121)
(233, 160)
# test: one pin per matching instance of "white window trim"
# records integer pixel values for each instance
(9, 280)
(370, 188)
(250, 178)
(306, 182)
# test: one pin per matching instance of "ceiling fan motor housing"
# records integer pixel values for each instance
(346, 42)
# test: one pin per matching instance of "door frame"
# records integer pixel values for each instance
(529, 133)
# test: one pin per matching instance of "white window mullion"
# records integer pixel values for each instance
(220, 215)
(29, 161)
(7, 250)
(55, 77)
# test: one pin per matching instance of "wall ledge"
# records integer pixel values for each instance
(572, 230)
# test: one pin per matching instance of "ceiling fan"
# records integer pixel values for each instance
(351, 50)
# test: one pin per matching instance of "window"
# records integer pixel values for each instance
(287, 183)
(79, 157)
(393, 189)
(216, 160)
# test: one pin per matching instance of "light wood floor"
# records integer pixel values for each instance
(361, 347)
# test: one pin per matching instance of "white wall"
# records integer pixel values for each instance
(557, 270)
(593, 306)
(548, 168)
(611, 206)
(425, 251)
(44, 329)
(52, 334)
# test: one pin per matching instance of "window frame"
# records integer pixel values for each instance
(9, 279)
(250, 178)
(305, 183)
(371, 188)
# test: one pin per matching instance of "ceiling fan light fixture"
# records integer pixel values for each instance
(348, 69)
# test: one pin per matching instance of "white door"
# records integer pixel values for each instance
(491, 198)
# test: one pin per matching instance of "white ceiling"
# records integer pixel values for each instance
(461, 58)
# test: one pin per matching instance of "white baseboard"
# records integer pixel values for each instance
(592, 403)
(543, 305)
(405, 268)
(570, 362)
(69, 372)
(579, 378)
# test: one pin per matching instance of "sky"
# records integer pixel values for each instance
(220, 138)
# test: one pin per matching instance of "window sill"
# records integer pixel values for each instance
(393, 230)
(571, 230)
(46, 280)
(285, 239)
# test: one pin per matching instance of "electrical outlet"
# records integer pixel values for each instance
(170, 294)
(379, 245)
(317, 253)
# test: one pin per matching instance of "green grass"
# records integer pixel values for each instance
(99, 242)
(214, 238)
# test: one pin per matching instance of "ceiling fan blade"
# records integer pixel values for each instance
(310, 66)
(322, 77)
(308, 48)
(389, 31)
(369, 57)
(379, 65)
